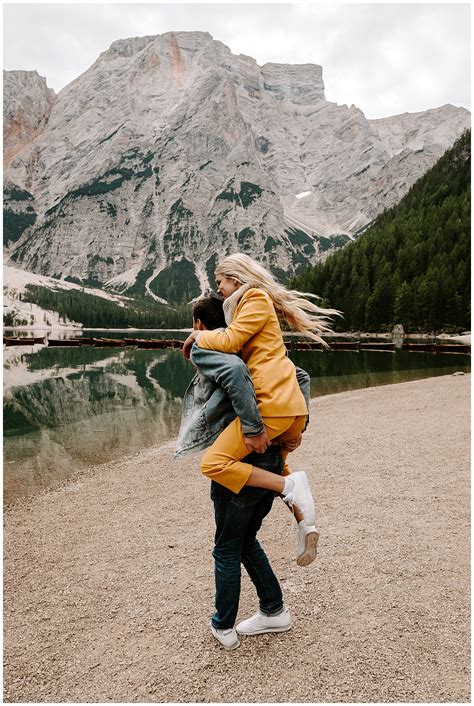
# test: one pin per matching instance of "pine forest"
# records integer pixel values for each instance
(412, 266)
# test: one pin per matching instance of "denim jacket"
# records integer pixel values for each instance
(220, 391)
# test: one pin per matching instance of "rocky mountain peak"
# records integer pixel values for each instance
(171, 150)
(126, 47)
(301, 84)
(27, 104)
(186, 41)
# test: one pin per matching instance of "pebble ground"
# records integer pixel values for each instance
(108, 580)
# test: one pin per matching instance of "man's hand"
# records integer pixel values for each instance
(188, 344)
(292, 443)
(258, 443)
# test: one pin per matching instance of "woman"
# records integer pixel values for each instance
(253, 304)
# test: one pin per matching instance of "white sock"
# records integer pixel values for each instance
(289, 485)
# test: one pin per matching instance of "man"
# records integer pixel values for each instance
(238, 519)
(220, 391)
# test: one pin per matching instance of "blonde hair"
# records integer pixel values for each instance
(290, 305)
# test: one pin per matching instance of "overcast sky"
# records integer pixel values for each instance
(384, 58)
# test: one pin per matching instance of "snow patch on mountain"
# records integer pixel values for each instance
(124, 280)
(149, 291)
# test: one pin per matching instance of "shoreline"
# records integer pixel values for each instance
(91, 470)
(109, 578)
(464, 337)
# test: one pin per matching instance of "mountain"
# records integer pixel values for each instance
(412, 266)
(170, 151)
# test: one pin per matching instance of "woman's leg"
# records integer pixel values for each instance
(272, 425)
(222, 461)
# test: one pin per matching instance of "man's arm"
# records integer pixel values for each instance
(231, 373)
(304, 381)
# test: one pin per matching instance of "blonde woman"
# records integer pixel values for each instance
(253, 304)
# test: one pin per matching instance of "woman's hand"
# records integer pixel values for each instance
(258, 443)
(188, 344)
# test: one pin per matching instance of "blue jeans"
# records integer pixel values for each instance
(238, 519)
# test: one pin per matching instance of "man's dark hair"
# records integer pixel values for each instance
(210, 312)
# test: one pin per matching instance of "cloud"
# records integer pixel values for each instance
(384, 58)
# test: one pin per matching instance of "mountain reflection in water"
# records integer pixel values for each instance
(66, 409)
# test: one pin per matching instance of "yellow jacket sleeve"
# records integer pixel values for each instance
(251, 316)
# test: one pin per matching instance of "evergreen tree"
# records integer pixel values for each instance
(403, 305)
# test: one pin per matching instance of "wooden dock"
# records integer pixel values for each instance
(162, 344)
(24, 341)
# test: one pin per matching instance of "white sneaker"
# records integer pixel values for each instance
(301, 495)
(308, 538)
(228, 638)
(260, 623)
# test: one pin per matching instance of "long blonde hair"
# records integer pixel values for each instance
(290, 305)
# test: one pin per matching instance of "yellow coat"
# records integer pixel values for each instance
(255, 332)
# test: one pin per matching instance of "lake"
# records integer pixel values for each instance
(66, 409)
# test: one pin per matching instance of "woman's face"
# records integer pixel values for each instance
(227, 285)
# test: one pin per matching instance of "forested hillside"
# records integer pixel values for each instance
(95, 312)
(412, 266)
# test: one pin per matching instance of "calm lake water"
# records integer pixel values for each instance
(66, 409)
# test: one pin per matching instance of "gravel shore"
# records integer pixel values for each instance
(108, 581)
